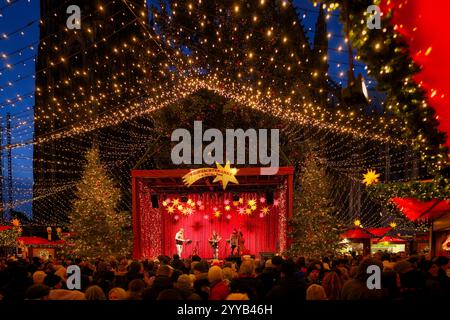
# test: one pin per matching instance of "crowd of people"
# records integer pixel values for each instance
(165, 278)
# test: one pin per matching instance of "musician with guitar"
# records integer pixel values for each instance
(180, 241)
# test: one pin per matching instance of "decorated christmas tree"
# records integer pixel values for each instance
(315, 232)
(96, 227)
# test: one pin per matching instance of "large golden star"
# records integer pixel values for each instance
(371, 177)
(227, 174)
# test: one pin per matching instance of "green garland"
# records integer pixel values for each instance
(388, 57)
(424, 191)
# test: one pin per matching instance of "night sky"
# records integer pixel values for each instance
(19, 36)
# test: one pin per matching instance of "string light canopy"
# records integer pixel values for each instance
(266, 66)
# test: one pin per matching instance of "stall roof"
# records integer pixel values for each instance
(415, 209)
(357, 233)
(379, 232)
(38, 241)
(390, 239)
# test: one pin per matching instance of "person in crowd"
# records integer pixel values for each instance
(103, 276)
(201, 283)
(38, 292)
(313, 275)
(356, 289)
(94, 293)
(38, 277)
(185, 286)
(390, 283)
(176, 263)
(169, 294)
(228, 274)
(238, 297)
(135, 289)
(332, 284)
(442, 274)
(218, 289)
(412, 286)
(246, 281)
(161, 281)
(289, 287)
(316, 292)
(412, 278)
(117, 293)
(53, 281)
(267, 278)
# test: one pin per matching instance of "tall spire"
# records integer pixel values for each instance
(320, 54)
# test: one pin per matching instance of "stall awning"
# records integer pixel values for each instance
(390, 239)
(357, 233)
(38, 241)
(415, 209)
(379, 232)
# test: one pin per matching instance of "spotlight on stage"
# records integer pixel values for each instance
(184, 198)
(269, 197)
(154, 199)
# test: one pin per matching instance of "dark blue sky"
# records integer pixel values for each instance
(17, 69)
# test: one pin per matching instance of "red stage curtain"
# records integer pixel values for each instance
(157, 226)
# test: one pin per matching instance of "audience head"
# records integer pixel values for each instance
(238, 297)
(53, 281)
(94, 293)
(37, 292)
(117, 294)
(215, 274)
(247, 268)
(164, 270)
(315, 292)
(169, 294)
(38, 277)
(184, 282)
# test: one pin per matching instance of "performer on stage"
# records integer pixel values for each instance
(179, 240)
(241, 242)
(214, 242)
(234, 241)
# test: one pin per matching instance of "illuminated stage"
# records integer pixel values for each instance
(260, 206)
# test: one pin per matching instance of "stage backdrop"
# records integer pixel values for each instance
(263, 224)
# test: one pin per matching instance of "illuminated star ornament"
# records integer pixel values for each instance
(170, 210)
(227, 174)
(265, 211)
(224, 174)
(371, 177)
